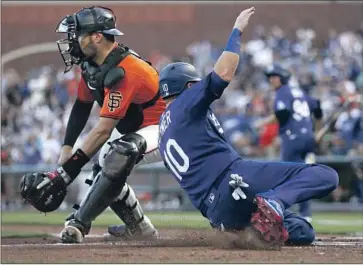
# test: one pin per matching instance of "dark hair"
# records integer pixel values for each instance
(109, 37)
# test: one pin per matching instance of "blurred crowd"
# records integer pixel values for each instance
(35, 108)
(330, 71)
(34, 114)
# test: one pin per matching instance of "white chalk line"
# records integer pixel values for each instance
(340, 222)
(126, 244)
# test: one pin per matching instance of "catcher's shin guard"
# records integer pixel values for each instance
(128, 208)
(119, 162)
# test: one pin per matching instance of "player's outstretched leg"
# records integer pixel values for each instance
(275, 186)
(309, 182)
(301, 233)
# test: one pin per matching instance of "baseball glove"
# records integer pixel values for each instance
(46, 199)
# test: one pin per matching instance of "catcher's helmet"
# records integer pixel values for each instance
(174, 77)
(277, 70)
(87, 20)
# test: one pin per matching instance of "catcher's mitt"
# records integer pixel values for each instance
(46, 199)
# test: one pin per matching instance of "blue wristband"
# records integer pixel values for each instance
(234, 42)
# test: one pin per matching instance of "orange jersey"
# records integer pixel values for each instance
(139, 85)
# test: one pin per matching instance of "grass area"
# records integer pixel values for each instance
(330, 223)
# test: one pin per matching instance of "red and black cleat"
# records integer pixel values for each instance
(268, 221)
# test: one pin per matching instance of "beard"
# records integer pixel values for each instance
(90, 51)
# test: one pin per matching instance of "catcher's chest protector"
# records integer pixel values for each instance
(107, 75)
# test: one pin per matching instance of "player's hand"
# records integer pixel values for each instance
(57, 177)
(237, 183)
(66, 153)
(243, 18)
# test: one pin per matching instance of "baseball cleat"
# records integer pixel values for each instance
(74, 232)
(268, 221)
(143, 231)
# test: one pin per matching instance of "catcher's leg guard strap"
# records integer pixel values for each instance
(119, 162)
(128, 208)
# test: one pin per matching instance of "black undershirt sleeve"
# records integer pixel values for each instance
(77, 121)
(318, 112)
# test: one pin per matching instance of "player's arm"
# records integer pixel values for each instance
(71, 164)
(116, 101)
(98, 136)
(213, 85)
(77, 120)
(226, 65)
(315, 106)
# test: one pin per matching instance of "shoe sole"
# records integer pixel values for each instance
(268, 223)
(71, 235)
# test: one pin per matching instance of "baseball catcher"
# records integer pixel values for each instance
(126, 88)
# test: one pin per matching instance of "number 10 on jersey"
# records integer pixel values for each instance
(172, 163)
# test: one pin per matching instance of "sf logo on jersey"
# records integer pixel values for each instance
(114, 100)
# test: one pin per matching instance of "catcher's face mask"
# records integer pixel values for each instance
(69, 48)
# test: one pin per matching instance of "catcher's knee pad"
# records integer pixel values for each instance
(127, 207)
(123, 155)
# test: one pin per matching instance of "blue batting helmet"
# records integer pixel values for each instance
(174, 77)
(277, 70)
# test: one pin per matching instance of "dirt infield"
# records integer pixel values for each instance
(174, 246)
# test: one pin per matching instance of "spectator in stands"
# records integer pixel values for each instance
(32, 153)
